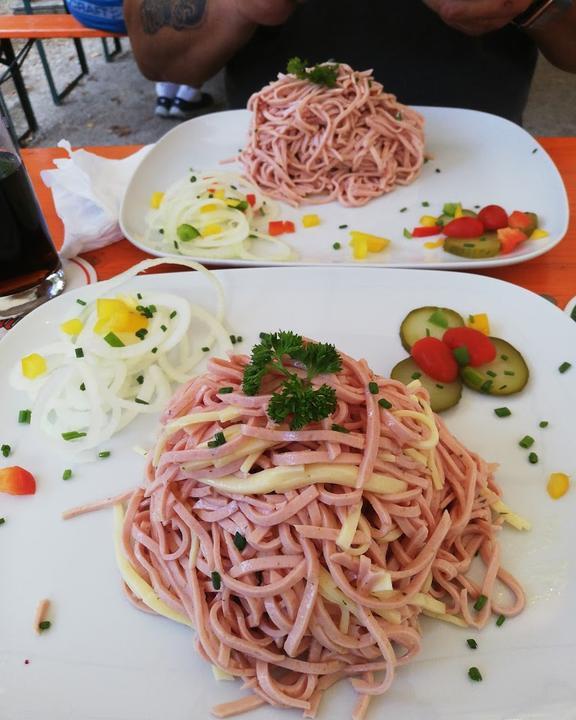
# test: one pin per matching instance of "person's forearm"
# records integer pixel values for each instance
(188, 41)
(557, 40)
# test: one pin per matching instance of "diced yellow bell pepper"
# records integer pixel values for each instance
(479, 322)
(428, 221)
(72, 327)
(107, 307)
(374, 243)
(558, 484)
(213, 229)
(156, 200)
(219, 194)
(114, 315)
(539, 234)
(209, 208)
(458, 211)
(310, 220)
(233, 202)
(359, 248)
(33, 366)
(433, 244)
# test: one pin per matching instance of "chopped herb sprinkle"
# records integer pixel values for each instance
(533, 458)
(502, 412)
(141, 333)
(373, 387)
(342, 227)
(491, 373)
(173, 314)
(336, 246)
(81, 302)
(2, 520)
(140, 379)
(113, 340)
(486, 386)
(140, 401)
(219, 439)
(474, 674)
(163, 328)
(44, 625)
(79, 352)
(339, 428)
(425, 203)
(501, 620)
(534, 151)
(526, 442)
(139, 296)
(24, 417)
(407, 234)
(403, 209)
(509, 373)
(240, 541)
(386, 404)
(154, 350)
(565, 366)
(67, 474)
(543, 423)
(416, 375)
(480, 602)
(82, 387)
(472, 644)
(205, 349)
(73, 435)
(504, 357)
(439, 386)
(216, 580)
(233, 339)
(104, 454)
(5, 449)
(438, 170)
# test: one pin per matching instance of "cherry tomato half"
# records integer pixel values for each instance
(494, 217)
(435, 359)
(480, 348)
(464, 227)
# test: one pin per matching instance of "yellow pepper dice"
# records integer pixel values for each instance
(213, 229)
(209, 208)
(156, 200)
(539, 234)
(433, 244)
(428, 221)
(33, 366)
(359, 248)
(310, 220)
(72, 327)
(458, 211)
(374, 243)
(479, 322)
(115, 315)
(558, 484)
(219, 194)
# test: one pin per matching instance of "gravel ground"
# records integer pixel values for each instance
(114, 104)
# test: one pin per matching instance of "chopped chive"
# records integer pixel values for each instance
(502, 387)
(461, 355)
(173, 314)
(225, 390)
(438, 318)
(565, 366)
(342, 227)
(503, 412)
(425, 203)
(407, 234)
(233, 339)
(477, 206)
(82, 387)
(219, 439)
(73, 435)
(486, 386)
(140, 401)
(468, 245)
(491, 373)
(139, 296)
(533, 458)
(504, 357)
(81, 302)
(386, 404)
(163, 328)
(2, 520)
(141, 333)
(472, 644)
(573, 313)
(104, 454)
(438, 170)
(205, 349)
(239, 338)
(543, 423)
(373, 387)
(233, 187)
(44, 625)
(161, 231)
(403, 209)
(24, 417)
(440, 387)
(427, 332)
(339, 428)
(216, 580)
(140, 379)
(474, 674)
(154, 350)
(240, 541)
(509, 373)
(5, 450)
(336, 246)
(79, 352)
(501, 620)
(113, 340)
(193, 178)
(416, 375)
(534, 151)
(526, 442)
(480, 602)
(67, 474)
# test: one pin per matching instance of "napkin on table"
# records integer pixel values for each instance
(87, 190)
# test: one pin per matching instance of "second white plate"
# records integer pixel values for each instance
(478, 159)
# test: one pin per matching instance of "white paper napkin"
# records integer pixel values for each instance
(88, 191)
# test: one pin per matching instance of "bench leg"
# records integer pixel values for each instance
(5, 114)
(9, 58)
(110, 55)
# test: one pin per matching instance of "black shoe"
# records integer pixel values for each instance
(163, 105)
(183, 109)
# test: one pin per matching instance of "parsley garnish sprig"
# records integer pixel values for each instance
(295, 399)
(323, 74)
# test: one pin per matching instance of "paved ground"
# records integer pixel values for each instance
(114, 104)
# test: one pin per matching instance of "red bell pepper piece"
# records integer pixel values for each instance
(289, 226)
(17, 481)
(435, 359)
(276, 227)
(426, 231)
(510, 238)
(464, 227)
(251, 199)
(480, 348)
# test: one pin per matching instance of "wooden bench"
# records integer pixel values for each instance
(32, 28)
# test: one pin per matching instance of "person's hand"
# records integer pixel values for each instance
(476, 17)
(266, 12)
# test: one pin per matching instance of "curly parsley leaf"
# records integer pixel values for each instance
(322, 74)
(301, 403)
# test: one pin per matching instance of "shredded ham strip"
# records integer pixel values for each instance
(312, 144)
(300, 607)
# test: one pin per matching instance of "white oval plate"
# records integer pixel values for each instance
(104, 660)
(482, 159)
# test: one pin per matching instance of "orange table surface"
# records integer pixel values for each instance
(552, 274)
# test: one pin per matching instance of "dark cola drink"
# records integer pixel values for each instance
(30, 270)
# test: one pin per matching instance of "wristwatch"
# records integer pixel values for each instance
(540, 13)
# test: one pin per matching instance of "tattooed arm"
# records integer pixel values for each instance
(188, 41)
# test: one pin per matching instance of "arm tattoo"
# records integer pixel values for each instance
(176, 14)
